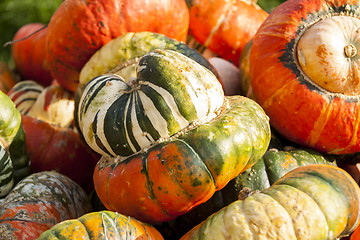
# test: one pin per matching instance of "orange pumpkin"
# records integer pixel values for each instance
(225, 26)
(29, 53)
(304, 72)
(78, 29)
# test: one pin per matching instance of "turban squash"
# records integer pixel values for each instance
(169, 138)
(304, 72)
(78, 29)
(317, 201)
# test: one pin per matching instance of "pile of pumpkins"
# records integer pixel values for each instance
(180, 119)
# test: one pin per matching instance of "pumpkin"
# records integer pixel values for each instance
(78, 29)
(28, 51)
(225, 26)
(317, 201)
(38, 202)
(14, 159)
(101, 225)
(304, 73)
(8, 78)
(170, 134)
(52, 142)
(270, 168)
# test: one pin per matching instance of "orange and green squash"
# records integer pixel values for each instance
(169, 138)
(316, 202)
(304, 72)
(101, 225)
(38, 202)
(78, 29)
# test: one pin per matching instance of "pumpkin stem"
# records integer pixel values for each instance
(21, 39)
(350, 50)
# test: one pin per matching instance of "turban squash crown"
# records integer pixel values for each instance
(169, 138)
(304, 72)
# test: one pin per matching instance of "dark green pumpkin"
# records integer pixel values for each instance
(13, 146)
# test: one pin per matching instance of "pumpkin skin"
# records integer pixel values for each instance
(29, 54)
(101, 225)
(306, 96)
(225, 26)
(183, 167)
(7, 77)
(318, 195)
(78, 29)
(53, 145)
(38, 202)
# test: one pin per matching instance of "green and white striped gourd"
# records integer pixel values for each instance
(119, 118)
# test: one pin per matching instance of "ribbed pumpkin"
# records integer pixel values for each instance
(52, 142)
(169, 137)
(101, 225)
(317, 201)
(304, 72)
(8, 77)
(38, 202)
(225, 26)
(14, 160)
(29, 53)
(78, 29)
